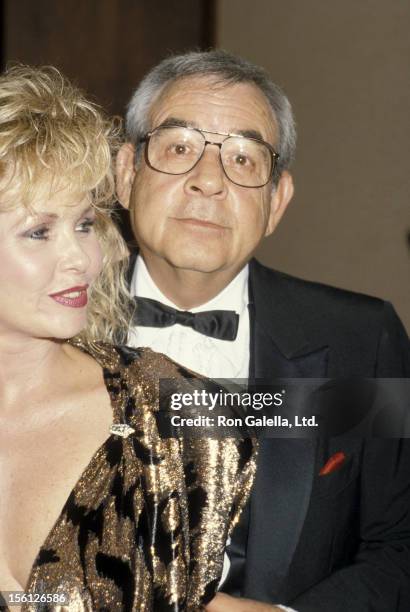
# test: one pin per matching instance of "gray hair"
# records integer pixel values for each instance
(227, 68)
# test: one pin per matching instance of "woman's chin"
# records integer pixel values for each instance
(64, 329)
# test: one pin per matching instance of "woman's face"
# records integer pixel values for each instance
(49, 258)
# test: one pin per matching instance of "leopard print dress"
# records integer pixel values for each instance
(144, 528)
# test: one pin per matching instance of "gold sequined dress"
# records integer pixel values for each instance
(146, 524)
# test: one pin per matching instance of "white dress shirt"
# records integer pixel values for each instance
(210, 357)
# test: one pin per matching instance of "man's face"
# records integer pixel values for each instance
(200, 220)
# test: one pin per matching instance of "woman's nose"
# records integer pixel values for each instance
(74, 255)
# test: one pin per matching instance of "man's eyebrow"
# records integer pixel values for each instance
(171, 121)
(249, 134)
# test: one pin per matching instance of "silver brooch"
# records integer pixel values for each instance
(121, 429)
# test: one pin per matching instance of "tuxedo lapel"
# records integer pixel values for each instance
(131, 265)
(269, 362)
(278, 507)
(279, 338)
(283, 482)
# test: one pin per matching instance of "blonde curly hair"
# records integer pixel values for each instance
(50, 131)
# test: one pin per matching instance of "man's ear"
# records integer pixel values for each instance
(125, 173)
(280, 199)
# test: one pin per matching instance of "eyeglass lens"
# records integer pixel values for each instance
(176, 150)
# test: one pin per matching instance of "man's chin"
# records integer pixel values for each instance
(205, 260)
(194, 265)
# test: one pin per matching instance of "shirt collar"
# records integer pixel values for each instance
(233, 297)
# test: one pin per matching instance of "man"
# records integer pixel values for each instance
(205, 175)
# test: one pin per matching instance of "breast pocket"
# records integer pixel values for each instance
(334, 483)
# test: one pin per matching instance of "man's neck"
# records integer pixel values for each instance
(188, 288)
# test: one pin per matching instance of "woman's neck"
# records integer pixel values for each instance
(27, 366)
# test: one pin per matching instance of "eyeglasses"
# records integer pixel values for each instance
(248, 162)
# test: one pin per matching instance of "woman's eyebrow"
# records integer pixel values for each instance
(44, 216)
(36, 217)
(86, 210)
(51, 215)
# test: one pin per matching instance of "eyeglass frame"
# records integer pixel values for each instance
(274, 155)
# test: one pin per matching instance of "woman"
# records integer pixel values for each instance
(97, 511)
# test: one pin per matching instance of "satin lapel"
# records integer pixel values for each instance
(283, 482)
(269, 362)
(278, 507)
(279, 347)
(279, 344)
(131, 265)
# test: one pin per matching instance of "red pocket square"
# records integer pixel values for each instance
(333, 464)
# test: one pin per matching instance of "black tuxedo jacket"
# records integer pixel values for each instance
(339, 542)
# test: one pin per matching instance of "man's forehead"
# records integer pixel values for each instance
(210, 104)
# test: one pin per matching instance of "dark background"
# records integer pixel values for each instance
(105, 46)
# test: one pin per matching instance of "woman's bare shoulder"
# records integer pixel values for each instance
(134, 358)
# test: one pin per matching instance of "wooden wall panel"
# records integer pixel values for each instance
(104, 45)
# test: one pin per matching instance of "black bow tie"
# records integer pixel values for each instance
(221, 324)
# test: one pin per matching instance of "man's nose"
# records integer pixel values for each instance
(208, 177)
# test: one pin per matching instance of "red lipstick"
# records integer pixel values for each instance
(74, 297)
